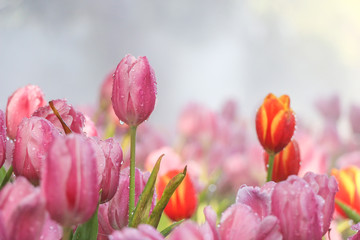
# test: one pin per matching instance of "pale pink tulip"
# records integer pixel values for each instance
(354, 118)
(51, 230)
(110, 168)
(23, 210)
(329, 107)
(298, 209)
(106, 91)
(142, 232)
(69, 180)
(89, 127)
(33, 139)
(105, 228)
(170, 161)
(2, 138)
(325, 187)
(349, 159)
(22, 103)
(134, 90)
(74, 120)
(3, 234)
(119, 204)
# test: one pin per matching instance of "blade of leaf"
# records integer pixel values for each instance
(88, 230)
(169, 229)
(2, 173)
(168, 192)
(6, 177)
(350, 213)
(143, 206)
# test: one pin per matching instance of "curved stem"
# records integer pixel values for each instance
(132, 170)
(67, 233)
(271, 166)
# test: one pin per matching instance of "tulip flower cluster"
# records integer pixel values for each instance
(105, 173)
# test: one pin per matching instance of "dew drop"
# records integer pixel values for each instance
(121, 122)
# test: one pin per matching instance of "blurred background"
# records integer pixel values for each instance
(206, 50)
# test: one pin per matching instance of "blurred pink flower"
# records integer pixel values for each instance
(69, 180)
(119, 204)
(23, 210)
(348, 159)
(142, 232)
(354, 118)
(106, 91)
(134, 90)
(2, 139)
(170, 161)
(74, 120)
(356, 236)
(33, 140)
(329, 107)
(89, 127)
(22, 103)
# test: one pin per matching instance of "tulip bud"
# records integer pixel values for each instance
(2, 139)
(298, 209)
(134, 90)
(23, 210)
(22, 103)
(119, 204)
(110, 168)
(275, 123)
(69, 180)
(286, 162)
(106, 91)
(33, 139)
(74, 120)
(143, 231)
(183, 202)
(349, 188)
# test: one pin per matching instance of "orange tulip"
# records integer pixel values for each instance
(183, 202)
(286, 162)
(349, 188)
(275, 123)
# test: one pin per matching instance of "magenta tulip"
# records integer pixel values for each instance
(69, 180)
(142, 232)
(2, 139)
(33, 139)
(119, 205)
(23, 210)
(134, 90)
(74, 120)
(22, 103)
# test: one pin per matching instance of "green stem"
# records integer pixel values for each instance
(132, 170)
(271, 166)
(7, 177)
(350, 213)
(67, 233)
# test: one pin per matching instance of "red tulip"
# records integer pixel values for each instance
(275, 123)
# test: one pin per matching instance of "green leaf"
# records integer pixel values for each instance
(144, 204)
(88, 230)
(2, 173)
(350, 213)
(169, 229)
(168, 191)
(6, 177)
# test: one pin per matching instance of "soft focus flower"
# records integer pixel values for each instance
(22, 103)
(2, 138)
(349, 188)
(354, 117)
(134, 90)
(109, 170)
(74, 120)
(191, 230)
(142, 232)
(89, 127)
(69, 180)
(355, 227)
(275, 123)
(23, 210)
(286, 162)
(106, 91)
(170, 161)
(119, 204)
(33, 139)
(183, 202)
(329, 107)
(51, 230)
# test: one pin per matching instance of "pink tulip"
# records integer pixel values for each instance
(134, 90)
(51, 230)
(119, 204)
(22, 103)
(325, 187)
(298, 209)
(2, 139)
(191, 230)
(74, 120)
(110, 168)
(3, 234)
(23, 210)
(329, 107)
(106, 91)
(33, 139)
(170, 161)
(89, 127)
(142, 232)
(105, 228)
(355, 118)
(356, 236)
(69, 180)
